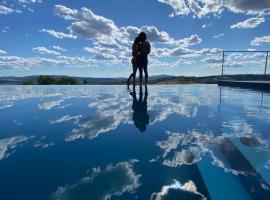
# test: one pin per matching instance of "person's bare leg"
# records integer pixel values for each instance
(145, 74)
(134, 74)
(129, 78)
(141, 74)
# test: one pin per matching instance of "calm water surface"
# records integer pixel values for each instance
(160, 142)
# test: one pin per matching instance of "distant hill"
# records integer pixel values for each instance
(159, 79)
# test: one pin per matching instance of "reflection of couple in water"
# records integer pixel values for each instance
(140, 50)
(139, 107)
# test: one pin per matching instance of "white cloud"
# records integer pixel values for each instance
(58, 48)
(49, 105)
(44, 50)
(65, 119)
(59, 35)
(104, 56)
(192, 40)
(114, 180)
(4, 105)
(206, 25)
(90, 25)
(86, 23)
(5, 29)
(29, 1)
(180, 51)
(218, 35)
(249, 23)
(260, 40)
(3, 52)
(207, 51)
(170, 144)
(100, 50)
(187, 156)
(153, 34)
(112, 43)
(201, 8)
(213, 59)
(16, 62)
(156, 36)
(179, 7)
(6, 10)
(188, 187)
(9, 144)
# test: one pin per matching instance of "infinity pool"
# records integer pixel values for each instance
(110, 142)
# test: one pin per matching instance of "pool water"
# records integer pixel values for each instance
(154, 142)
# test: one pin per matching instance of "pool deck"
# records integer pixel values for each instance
(258, 85)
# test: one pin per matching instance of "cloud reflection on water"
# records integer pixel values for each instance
(9, 144)
(91, 111)
(102, 184)
(178, 191)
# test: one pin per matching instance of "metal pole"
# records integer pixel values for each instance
(222, 65)
(266, 59)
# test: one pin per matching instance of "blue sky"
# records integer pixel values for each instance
(94, 38)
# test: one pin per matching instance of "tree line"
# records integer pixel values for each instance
(50, 80)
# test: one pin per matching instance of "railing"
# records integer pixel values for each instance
(223, 59)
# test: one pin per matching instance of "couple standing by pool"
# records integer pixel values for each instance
(140, 50)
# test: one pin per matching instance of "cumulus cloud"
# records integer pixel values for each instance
(156, 36)
(176, 189)
(218, 36)
(3, 52)
(236, 60)
(59, 35)
(4, 105)
(29, 1)
(192, 40)
(201, 8)
(179, 7)
(5, 29)
(49, 104)
(102, 53)
(109, 43)
(104, 56)
(65, 119)
(112, 43)
(260, 40)
(114, 180)
(113, 110)
(249, 23)
(90, 25)
(184, 52)
(16, 62)
(207, 51)
(96, 124)
(6, 10)
(8, 144)
(58, 48)
(206, 25)
(85, 22)
(188, 156)
(153, 34)
(213, 59)
(170, 144)
(44, 50)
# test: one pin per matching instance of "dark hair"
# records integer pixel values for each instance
(142, 35)
(137, 40)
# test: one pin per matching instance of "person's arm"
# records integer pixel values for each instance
(148, 48)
